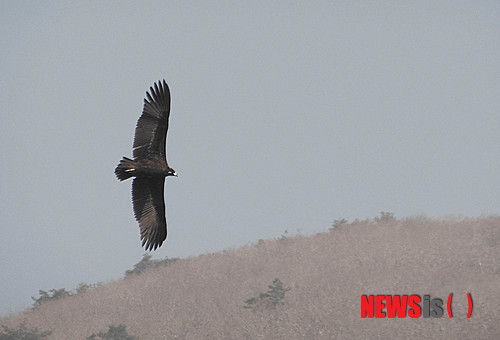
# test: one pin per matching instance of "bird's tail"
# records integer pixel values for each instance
(125, 169)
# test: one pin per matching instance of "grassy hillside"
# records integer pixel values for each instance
(204, 297)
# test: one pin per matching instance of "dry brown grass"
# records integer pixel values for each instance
(203, 297)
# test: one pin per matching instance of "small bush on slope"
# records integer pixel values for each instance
(55, 294)
(337, 223)
(114, 332)
(52, 294)
(146, 263)
(385, 216)
(269, 300)
(22, 333)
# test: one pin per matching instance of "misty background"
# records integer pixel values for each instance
(285, 116)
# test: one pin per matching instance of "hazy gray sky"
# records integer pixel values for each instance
(285, 116)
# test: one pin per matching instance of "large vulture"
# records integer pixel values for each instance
(150, 167)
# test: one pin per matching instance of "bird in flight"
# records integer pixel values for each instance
(150, 167)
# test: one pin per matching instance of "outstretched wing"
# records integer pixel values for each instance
(151, 130)
(149, 210)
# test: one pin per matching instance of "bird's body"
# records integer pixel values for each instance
(150, 167)
(153, 166)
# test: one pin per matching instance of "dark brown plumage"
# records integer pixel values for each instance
(150, 167)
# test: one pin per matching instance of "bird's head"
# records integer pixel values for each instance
(171, 172)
